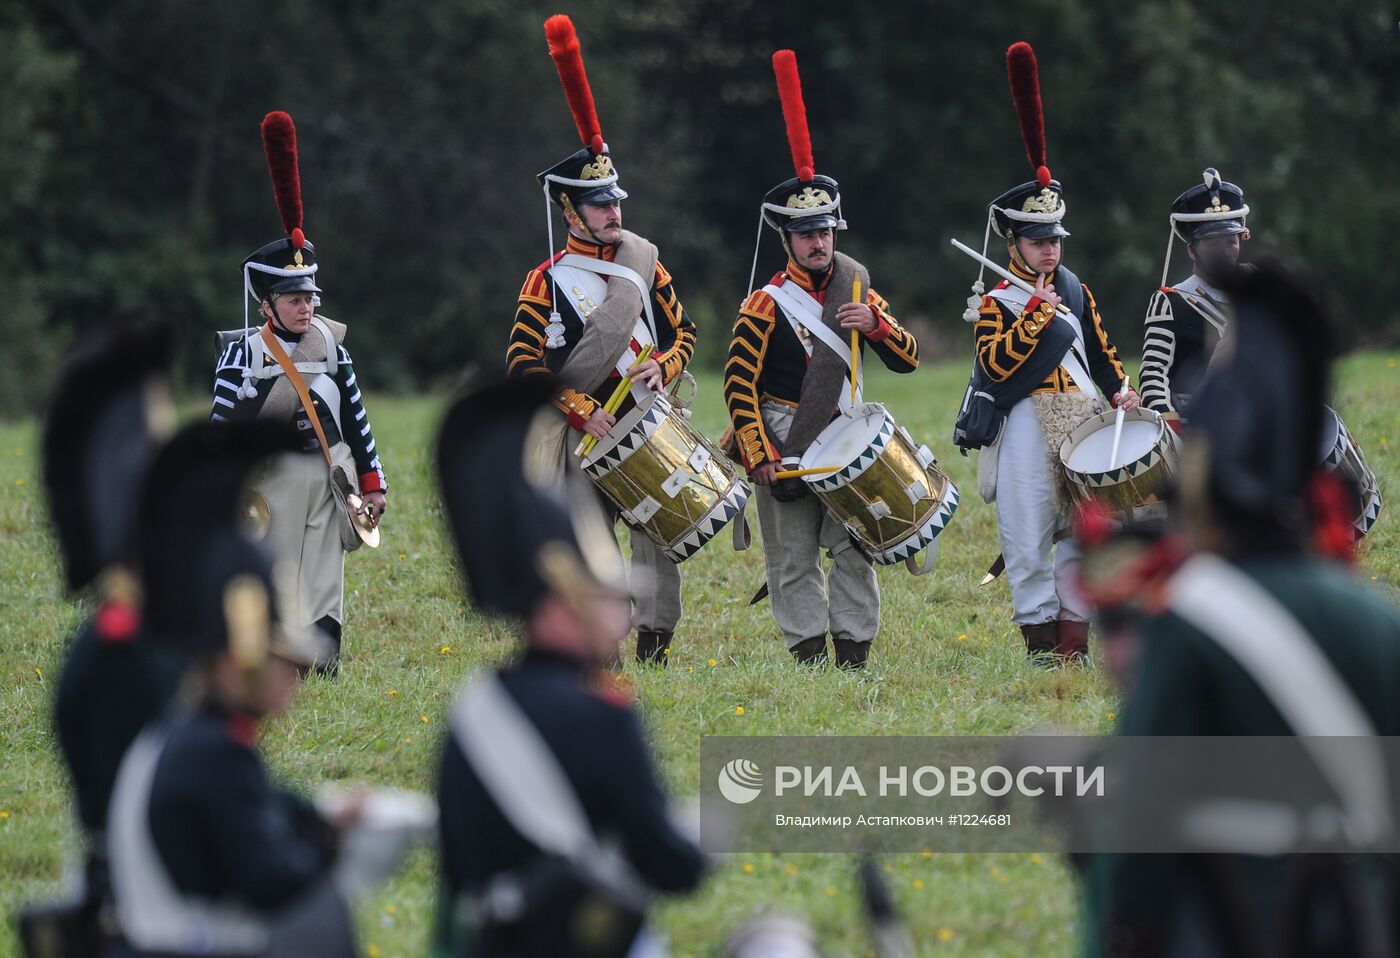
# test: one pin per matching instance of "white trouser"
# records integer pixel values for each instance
(806, 604)
(1043, 575)
(303, 531)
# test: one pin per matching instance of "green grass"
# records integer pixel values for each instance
(947, 661)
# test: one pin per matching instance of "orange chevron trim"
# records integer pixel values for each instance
(760, 304)
(535, 288)
(520, 329)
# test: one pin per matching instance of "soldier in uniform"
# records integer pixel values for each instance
(207, 856)
(1185, 321)
(555, 833)
(786, 379)
(110, 413)
(587, 311)
(1020, 471)
(252, 381)
(1257, 519)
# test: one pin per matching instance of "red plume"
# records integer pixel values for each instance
(794, 113)
(279, 137)
(568, 59)
(1024, 74)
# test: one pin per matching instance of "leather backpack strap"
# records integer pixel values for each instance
(274, 346)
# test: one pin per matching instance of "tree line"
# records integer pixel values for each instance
(132, 180)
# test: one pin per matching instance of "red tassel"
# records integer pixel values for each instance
(1024, 76)
(1334, 535)
(279, 137)
(794, 113)
(568, 60)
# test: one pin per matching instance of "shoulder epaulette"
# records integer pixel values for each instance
(760, 303)
(536, 288)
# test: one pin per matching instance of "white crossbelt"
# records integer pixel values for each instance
(803, 312)
(1073, 363)
(528, 786)
(1272, 648)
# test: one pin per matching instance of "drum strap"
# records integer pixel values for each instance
(803, 312)
(1273, 649)
(1202, 303)
(930, 557)
(743, 535)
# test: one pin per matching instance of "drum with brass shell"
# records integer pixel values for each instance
(887, 489)
(1342, 454)
(666, 479)
(1136, 485)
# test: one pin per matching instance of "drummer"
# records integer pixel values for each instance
(786, 379)
(571, 321)
(1185, 321)
(1030, 489)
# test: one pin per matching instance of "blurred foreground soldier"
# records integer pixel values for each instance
(555, 833)
(207, 856)
(1045, 369)
(109, 414)
(786, 380)
(586, 314)
(1257, 633)
(295, 368)
(1185, 321)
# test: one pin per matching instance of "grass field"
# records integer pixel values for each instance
(947, 661)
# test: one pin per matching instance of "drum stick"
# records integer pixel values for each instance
(1117, 427)
(798, 473)
(586, 444)
(1011, 278)
(855, 342)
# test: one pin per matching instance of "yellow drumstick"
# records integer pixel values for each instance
(587, 443)
(798, 473)
(855, 342)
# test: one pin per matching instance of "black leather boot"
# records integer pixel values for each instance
(1041, 640)
(1073, 642)
(850, 654)
(330, 668)
(810, 651)
(653, 647)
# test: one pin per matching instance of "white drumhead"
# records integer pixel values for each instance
(845, 438)
(1092, 452)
